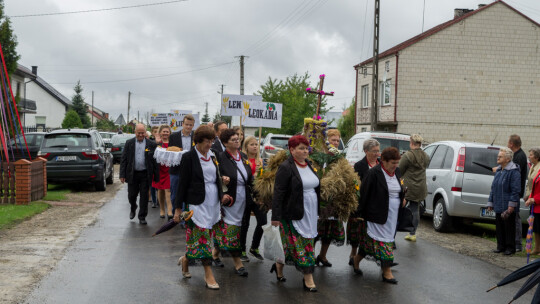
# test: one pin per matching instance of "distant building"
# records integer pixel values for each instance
(120, 121)
(97, 114)
(472, 78)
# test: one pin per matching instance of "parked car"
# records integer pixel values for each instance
(459, 178)
(118, 141)
(77, 155)
(354, 150)
(273, 143)
(106, 136)
(33, 139)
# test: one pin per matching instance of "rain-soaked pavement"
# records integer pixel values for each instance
(117, 261)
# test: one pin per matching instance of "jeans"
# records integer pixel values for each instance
(414, 207)
(261, 221)
(175, 178)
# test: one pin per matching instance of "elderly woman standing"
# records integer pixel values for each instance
(356, 227)
(381, 197)
(504, 198)
(532, 195)
(163, 187)
(234, 168)
(295, 208)
(200, 187)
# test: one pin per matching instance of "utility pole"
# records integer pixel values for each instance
(92, 108)
(235, 121)
(129, 105)
(375, 79)
(138, 117)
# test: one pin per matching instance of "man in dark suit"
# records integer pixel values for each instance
(182, 139)
(217, 146)
(137, 168)
(520, 159)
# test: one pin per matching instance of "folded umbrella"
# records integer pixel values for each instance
(536, 298)
(518, 274)
(186, 215)
(528, 242)
(530, 283)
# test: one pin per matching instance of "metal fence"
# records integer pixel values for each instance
(7, 183)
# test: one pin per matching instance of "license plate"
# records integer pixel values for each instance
(66, 158)
(484, 212)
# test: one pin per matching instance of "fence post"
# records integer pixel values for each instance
(23, 182)
(44, 175)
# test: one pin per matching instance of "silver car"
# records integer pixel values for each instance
(459, 178)
(273, 143)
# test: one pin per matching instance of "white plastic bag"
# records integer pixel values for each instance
(273, 249)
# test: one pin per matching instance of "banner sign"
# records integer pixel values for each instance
(175, 120)
(261, 114)
(158, 119)
(231, 105)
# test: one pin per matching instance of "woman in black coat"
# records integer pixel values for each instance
(295, 208)
(235, 169)
(200, 188)
(381, 197)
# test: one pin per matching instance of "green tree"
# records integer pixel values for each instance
(218, 117)
(206, 117)
(106, 125)
(346, 123)
(297, 103)
(71, 120)
(79, 106)
(8, 41)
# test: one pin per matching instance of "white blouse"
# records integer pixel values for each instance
(386, 232)
(307, 226)
(207, 214)
(233, 215)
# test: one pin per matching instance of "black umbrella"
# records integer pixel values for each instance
(530, 283)
(536, 298)
(518, 274)
(186, 215)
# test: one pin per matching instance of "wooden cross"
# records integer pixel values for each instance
(320, 93)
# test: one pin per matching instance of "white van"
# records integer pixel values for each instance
(354, 151)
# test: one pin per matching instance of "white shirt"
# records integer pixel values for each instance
(140, 162)
(233, 215)
(386, 232)
(307, 226)
(186, 141)
(207, 214)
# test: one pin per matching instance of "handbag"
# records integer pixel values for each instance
(405, 220)
(273, 248)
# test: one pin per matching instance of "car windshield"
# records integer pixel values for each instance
(280, 142)
(67, 140)
(121, 140)
(481, 160)
(105, 135)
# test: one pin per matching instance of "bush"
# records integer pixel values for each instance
(72, 120)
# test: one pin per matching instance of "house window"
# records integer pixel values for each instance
(364, 129)
(41, 121)
(18, 90)
(365, 96)
(384, 92)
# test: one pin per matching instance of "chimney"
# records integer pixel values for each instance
(459, 12)
(34, 70)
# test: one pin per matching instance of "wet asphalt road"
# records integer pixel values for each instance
(117, 261)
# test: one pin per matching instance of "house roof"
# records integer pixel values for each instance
(438, 28)
(24, 71)
(47, 87)
(120, 120)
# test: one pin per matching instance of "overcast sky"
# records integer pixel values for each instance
(189, 47)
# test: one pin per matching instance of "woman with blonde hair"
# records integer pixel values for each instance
(163, 187)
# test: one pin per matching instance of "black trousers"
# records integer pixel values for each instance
(261, 221)
(506, 232)
(139, 187)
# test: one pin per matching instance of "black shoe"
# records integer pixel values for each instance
(256, 254)
(143, 222)
(310, 289)
(358, 271)
(497, 250)
(218, 263)
(279, 279)
(162, 216)
(132, 215)
(389, 281)
(169, 217)
(351, 261)
(241, 272)
(393, 264)
(323, 262)
(509, 252)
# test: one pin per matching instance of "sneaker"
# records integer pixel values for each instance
(244, 257)
(411, 238)
(256, 254)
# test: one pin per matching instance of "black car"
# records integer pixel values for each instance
(77, 155)
(16, 144)
(118, 142)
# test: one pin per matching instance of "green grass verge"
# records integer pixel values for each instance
(489, 234)
(13, 214)
(56, 193)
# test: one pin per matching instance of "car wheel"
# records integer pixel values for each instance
(101, 185)
(111, 176)
(441, 220)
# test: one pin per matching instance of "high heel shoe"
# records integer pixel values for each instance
(310, 289)
(279, 279)
(323, 262)
(212, 286)
(389, 281)
(185, 274)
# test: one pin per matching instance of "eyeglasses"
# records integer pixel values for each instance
(234, 140)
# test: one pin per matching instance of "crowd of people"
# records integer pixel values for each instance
(215, 181)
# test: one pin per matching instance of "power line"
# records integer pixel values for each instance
(96, 10)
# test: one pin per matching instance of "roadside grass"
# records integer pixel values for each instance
(13, 214)
(56, 192)
(487, 231)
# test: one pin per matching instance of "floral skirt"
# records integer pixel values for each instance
(331, 232)
(299, 251)
(355, 231)
(199, 243)
(227, 238)
(382, 252)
